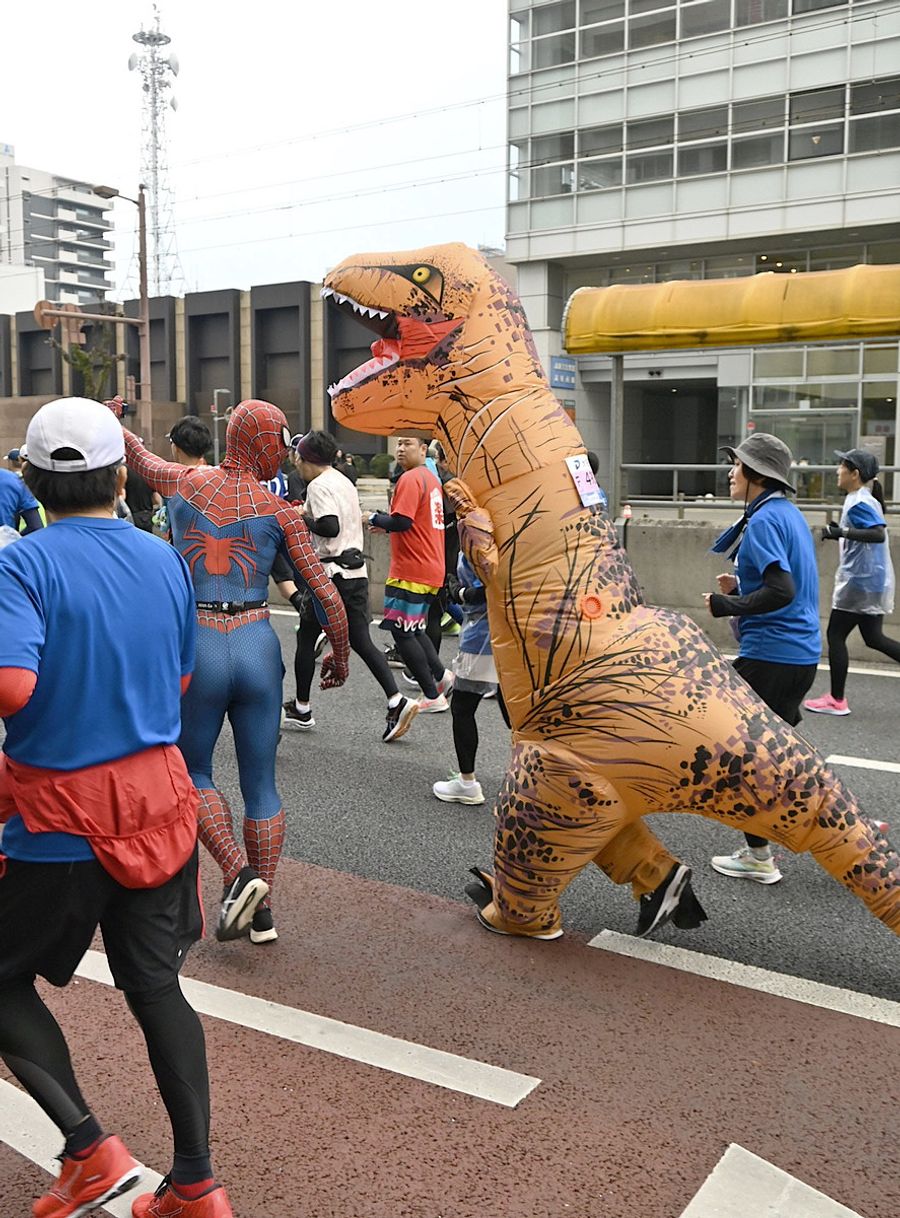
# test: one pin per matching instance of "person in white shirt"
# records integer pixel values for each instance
(332, 514)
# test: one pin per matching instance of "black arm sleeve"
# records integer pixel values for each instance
(282, 571)
(391, 522)
(32, 520)
(325, 526)
(777, 591)
(875, 534)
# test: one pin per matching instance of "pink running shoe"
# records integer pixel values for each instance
(826, 705)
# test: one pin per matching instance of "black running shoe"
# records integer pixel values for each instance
(294, 720)
(262, 928)
(239, 902)
(399, 718)
(392, 655)
(657, 907)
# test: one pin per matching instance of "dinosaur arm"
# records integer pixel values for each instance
(475, 529)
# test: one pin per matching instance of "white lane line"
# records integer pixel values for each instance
(863, 763)
(781, 985)
(25, 1129)
(478, 1079)
(742, 1185)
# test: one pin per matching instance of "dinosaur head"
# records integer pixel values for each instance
(418, 304)
(256, 438)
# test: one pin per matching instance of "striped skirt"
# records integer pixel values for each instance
(406, 604)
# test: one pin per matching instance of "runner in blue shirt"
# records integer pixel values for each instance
(17, 504)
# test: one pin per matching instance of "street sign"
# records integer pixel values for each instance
(563, 371)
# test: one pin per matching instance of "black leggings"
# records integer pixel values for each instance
(463, 706)
(35, 1051)
(419, 655)
(840, 626)
(354, 594)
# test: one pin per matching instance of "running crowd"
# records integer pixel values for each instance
(106, 778)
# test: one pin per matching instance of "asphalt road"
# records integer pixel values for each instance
(366, 808)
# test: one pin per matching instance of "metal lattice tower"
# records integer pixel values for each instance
(157, 69)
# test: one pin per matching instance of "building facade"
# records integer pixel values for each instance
(653, 140)
(58, 226)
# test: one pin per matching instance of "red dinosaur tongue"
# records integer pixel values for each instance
(416, 339)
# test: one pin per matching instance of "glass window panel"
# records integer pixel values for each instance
(550, 52)
(817, 104)
(651, 131)
(603, 40)
(651, 31)
(645, 6)
(702, 158)
(729, 266)
(816, 141)
(782, 264)
(639, 273)
(875, 95)
(832, 361)
(879, 359)
(649, 168)
(554, 17)
(547, 148)
(684, 268)
(881, 253)
(599, 175)
(518, 27)
(519, 58)
(834, 259)
(872, 134)
(594, 140)
(778, 363)
(752, 12)
(552, 180)
(757, 115)
(601, 10)
(813, 6)
(758, 150)
(705, 18)
(702, 124)
(814, 395)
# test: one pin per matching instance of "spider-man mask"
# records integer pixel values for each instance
(256, 438)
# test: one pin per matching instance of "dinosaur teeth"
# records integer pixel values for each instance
(326, 292)
(363, 310)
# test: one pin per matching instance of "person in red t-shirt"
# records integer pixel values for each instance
(416, 527)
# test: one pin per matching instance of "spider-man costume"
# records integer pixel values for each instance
(228, 528)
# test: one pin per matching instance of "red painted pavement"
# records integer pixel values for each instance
(647, 1074)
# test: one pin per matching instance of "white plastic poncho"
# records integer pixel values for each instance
(864, 581)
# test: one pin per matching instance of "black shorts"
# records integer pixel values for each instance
(50, 911)
(354, 592)
(781, 686)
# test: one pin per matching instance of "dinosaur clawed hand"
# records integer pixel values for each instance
(475, 529)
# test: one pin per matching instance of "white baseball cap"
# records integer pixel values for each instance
(81, 425)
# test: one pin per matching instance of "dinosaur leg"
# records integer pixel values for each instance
(636, 857)
(550, 824)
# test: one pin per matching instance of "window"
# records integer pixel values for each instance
(519, 58)
(729, 266)
(547, 148)
(873, 134)
(702, 158)
(603, 40)
(649, 168)
(651, 31)
(594, 140)
(600, 175)
(552, 18)
(782, 264)
(753, 12)
(879, 359)
(827, 140)
(646, 6)
(817, 105)
(686, 268)
(813, 6)
(601, 10)
(835, 258)
(702, 124)
(552, 180)
(518, 27)
(875, 95)
(756, 151)
(550, 52)
(705, 18)
(832, 361)
(757, 115)
(769, 364)
(646, 133)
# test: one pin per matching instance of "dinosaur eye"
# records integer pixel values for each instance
(421, 274)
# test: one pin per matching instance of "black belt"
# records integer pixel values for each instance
(231, 606)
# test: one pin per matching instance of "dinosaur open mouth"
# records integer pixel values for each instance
(399, 338)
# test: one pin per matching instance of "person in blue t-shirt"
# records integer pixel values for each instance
(864, 580)
(773, 597)
(17, 504)
(97, 638)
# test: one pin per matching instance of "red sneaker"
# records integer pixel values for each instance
(84, 1184)
(166, 1203)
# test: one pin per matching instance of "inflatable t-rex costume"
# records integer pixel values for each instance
(618, 709)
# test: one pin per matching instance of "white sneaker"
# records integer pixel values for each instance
(455, 791)
(742, 865)
(431, 706)
(445, 685)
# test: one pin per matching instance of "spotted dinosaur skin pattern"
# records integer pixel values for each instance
(618, 709)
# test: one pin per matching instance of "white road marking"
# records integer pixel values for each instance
(864, 763)
(25, 1129)
(478, 1079)
(781, 985)
(742, 1185)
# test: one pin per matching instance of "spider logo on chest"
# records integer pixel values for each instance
(218, 553)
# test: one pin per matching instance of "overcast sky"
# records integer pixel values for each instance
(305, 131)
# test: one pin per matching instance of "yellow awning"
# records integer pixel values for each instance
(859, 302)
